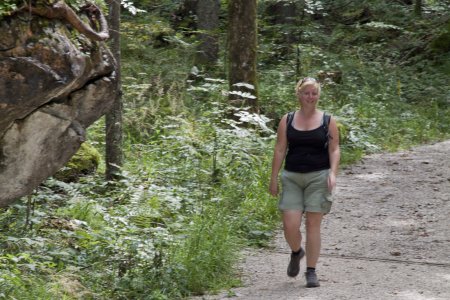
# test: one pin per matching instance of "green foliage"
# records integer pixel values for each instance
(210, 235)
(154, 80)
(164, 5)
(161, 235)
(7, 7)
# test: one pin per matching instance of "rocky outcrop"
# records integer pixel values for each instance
(54, 83)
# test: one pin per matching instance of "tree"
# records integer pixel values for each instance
(418, 8)
(242, 43)
(208, 24)
(114, 152)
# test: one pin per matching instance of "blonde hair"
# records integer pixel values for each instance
(305, 82)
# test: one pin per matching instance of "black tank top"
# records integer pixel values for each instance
(307, 149)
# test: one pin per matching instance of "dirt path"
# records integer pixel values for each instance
(388, 236)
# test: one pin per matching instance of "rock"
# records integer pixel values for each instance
(54, 83)
(84, 162)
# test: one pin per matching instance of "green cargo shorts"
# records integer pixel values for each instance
(307, 192)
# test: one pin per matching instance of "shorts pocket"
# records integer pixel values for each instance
(326, 206)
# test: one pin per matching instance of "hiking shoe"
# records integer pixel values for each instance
(311, 279)
(294, 264)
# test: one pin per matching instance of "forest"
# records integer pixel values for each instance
(197, 131)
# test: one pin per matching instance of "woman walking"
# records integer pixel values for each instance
(308, 142)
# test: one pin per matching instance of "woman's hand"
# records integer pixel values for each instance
(331, 182)
(334, 153)
(273, 187)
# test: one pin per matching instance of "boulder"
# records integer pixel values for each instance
(54, 83)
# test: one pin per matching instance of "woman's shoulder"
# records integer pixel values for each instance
(286, 118)
(326, 114)
(288, 114)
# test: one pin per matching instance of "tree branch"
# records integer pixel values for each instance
(60, 10)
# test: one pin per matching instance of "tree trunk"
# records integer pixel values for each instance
(418, 8)
(208, 25)
(114, 153)
(242, 43)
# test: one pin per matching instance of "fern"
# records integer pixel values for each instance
(7, 7)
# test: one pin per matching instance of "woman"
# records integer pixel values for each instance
(309, 141)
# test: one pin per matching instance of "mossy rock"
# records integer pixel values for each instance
(84, 162)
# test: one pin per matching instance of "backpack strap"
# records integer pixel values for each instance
(325, 124)
(290, 117)
(326, 121)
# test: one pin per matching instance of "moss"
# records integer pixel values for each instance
(84, 162)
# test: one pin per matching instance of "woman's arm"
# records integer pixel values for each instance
(278, 156)
(334, 153)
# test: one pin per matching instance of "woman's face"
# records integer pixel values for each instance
(308, 96)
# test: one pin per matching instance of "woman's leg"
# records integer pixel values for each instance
(291, 223)
(313, 239)
(292, 220)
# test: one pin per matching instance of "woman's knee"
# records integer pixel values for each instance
(313, 221)
(291, 227)
(292, 221)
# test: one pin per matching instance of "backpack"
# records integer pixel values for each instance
(325, 124)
